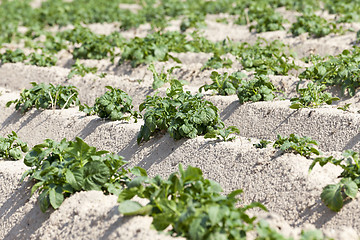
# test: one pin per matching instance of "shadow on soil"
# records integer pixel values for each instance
(16, 115)
(154, 151)
(323, 215)
(116, 225)
(352, 142)
(30, 222)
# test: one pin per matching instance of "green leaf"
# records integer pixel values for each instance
(129, 208)
(331, 196)
(56, 197)
(350, 187)
(96, 174)
(75, 178)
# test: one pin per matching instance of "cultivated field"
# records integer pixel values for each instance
(295, 73)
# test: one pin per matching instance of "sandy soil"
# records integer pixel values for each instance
(280, 181)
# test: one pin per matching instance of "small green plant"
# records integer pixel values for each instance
(191, 205)
(45, 96)
(80, 69)
(255, 90)
(181, 114)
(316, 26)
(268, 20)
(11, 56)
(12, 148)
(223, 134)
(216, 62)
(301, 145)
(224, 84)
(42, 60)
(342, 70)
(60, 169)
(262, 144)
(115, 105)
(265, 57)
(345, 107)
(164, 77)
(312, 96)
(335, 195)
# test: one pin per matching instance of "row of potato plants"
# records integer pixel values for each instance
(259, 15)
(180, 113)
(191, 205)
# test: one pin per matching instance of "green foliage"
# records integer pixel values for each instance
(335, 195)
(316, 26)
(255, 90)
(223, 134)
(216, 62)
(266, 58)
(45, 96)
(312, 96)
(164, 77)
(342, 70)
(89, 45)
(115, 105)
(63, 168)
(181, 114)
(262, 144)
(301, 145)
(80, 69)
(224, 84)
(268, 20)
(347, 10)
(345, 107)
(190, 204)
(265, 232)
(193, 20)
(12, 148)
(42, 60)
(11, 56)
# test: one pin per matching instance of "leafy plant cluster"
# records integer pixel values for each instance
(341, 70)
(216, 62)
(80, 69)
(261, 12)
(46, 96)
(312, 96)
(38, 59)
(224, 84)
(346, 10)
(255, 90)
(88, 45)
(115, 105)
(315, 25)
(335, 195)
(63, 168)
(266, 57)
(181, 114)
(163, 77)
(304, 146)
(192, 205)
(11, 147)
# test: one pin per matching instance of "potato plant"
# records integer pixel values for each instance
(255, 90)
(12, 148)
(312, 96)
(181, 114)
(114, 105)
(335, 195)
(224, 84)
(60, 169)
(46, 96)
(304, 146)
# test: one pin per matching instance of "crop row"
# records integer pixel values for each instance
(52, 119)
